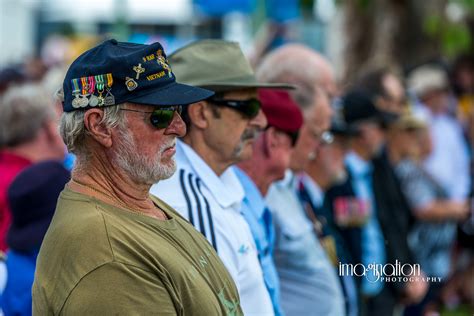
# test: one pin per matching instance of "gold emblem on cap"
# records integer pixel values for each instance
(131, 84)
(138, 69)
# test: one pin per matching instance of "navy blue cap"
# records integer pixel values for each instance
(117, 72)
(358, 105)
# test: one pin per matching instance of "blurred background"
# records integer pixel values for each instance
(40, 38)
(353, 34)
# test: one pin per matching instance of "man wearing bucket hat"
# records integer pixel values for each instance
(221, 132)
(111, 248)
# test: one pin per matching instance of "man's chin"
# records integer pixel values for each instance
(246, 152)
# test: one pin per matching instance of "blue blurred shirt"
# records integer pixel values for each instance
(373, 245)
(16, 299)
(260, 221)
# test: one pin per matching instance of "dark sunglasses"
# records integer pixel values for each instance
(249, 108)
(161, 117)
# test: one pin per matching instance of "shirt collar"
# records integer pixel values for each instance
(288, 181)
(252, 194)
(357, 165)
(226, 188)
(314, 190)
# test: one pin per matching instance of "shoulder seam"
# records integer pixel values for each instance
(106, 232)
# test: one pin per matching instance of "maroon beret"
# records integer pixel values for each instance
(281, 111)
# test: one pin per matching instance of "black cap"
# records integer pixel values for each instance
(358, 105)
(340, 128)
(32, 197)
(116, 72)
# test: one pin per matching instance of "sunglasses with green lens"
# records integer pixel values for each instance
(249, 108)
(161, 117)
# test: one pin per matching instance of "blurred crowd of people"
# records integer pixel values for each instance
(302, 194)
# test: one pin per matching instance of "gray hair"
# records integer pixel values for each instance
(281, 66)
(74, 132)
(24, 109)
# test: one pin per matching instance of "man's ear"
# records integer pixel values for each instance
(270, 140)
(93, 121)
(199, 114)
(381, 103)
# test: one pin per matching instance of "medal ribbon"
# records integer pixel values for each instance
(91, 85)
(100, 83)
(75, 85)
(110, 80)
(84, 85)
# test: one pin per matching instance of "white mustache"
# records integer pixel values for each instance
(166, 146)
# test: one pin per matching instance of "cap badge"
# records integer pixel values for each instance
(131, 84)
(138, 69)
(161, 60)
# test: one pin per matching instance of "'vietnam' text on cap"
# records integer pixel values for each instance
(117, 72)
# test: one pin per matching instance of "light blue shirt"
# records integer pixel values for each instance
(449, 161)
(308, 282)
(373, 246)
(260, 220)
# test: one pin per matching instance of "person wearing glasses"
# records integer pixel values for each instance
(221, 131)
(271, 157)
(111, 248)
(308, 282)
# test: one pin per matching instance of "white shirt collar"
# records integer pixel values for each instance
(226, 188)
(315, 192)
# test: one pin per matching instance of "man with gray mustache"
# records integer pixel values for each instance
(220, 133)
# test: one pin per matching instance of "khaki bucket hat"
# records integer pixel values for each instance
(216, 65)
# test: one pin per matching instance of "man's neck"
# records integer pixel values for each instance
(257, 172)
(210, 157)
(362, 153)
(108, 183)
(394, 155)
(321, 178)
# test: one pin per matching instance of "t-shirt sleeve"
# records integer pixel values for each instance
(415, 186)
(119, 289)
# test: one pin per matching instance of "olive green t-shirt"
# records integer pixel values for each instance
(97, 259)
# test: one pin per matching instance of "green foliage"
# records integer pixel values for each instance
(454, 37)
(307, 5)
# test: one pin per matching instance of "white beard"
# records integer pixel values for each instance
(140, 168)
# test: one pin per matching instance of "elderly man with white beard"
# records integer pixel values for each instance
(111, 248)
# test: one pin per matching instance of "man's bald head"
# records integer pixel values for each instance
(299, 65)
